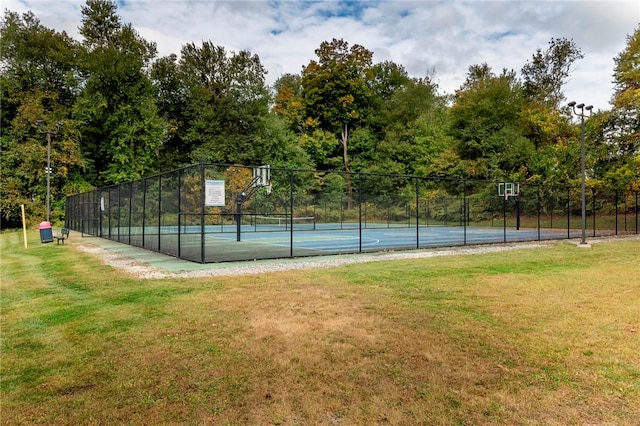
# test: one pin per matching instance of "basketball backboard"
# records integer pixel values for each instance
(508, 189)
(262, 175)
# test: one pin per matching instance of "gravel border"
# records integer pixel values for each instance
(141, 270)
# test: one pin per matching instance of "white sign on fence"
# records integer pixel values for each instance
(214, 193)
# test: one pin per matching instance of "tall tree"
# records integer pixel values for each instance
(289, 100)
(406, 118)
(227, 102)
(485, 125)
(38, 81)
(122, 130)
(172, 98)
(336, 92)
(385, 80)
(548, 70)
(626, 75)
(619, 131)
(34, 58)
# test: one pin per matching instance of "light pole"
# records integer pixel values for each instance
(49, 133)
(581, 114)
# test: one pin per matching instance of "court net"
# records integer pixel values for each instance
(283, 222)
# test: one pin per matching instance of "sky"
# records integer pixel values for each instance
(442, 38)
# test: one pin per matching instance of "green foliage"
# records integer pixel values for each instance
(320, 146)
(38, 82)
(226, 103)
(116, 110)
(623, 128)
(172, 99)
(547, 71)
(336, 93)
(543, 125)
(288, 101)
(627, 75)
(335, 88)
(485, 123)
(280, 146)
(415, 126)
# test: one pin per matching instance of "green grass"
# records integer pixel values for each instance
(536, 336)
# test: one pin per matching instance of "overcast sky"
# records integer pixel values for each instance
(422, 35)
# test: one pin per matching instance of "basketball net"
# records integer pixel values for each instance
(268, 187)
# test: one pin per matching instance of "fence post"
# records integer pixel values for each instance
(359, 212)
(464, 210)
(568, 212)
(636, 212)
(238, 216)
(538, 208)
(119, 210)
(101, 213)
(593, 209)
(341, 210)
(130, 208)
(159, 212)
(144, 211)
(179, 213)
(616, 202)
(202, 199)
(291, 213)
(417, 213)
(518, 212)
(504, 219)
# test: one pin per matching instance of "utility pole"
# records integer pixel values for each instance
(49, 133)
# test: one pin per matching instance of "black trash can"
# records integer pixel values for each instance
(46, 233)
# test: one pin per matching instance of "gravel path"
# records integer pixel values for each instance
(141, 270)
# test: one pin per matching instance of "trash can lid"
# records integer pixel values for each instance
(44, 225)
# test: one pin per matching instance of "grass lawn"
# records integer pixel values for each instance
(536, 336)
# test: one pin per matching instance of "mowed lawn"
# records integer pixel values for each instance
(546, 335)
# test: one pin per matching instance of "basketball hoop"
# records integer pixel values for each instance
(508, 189)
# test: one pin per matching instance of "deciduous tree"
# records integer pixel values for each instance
(485, 124)
(619, 131)
(336, 91)
(227, 101)
(38, 81)
(122, 130)
(548, 70)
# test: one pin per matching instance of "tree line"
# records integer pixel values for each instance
(127, 113)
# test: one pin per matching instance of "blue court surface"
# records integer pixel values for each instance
(377, 239)
(256, 243)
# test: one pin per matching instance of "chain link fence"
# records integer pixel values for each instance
(215, 213)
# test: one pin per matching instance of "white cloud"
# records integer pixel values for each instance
(420, 35)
